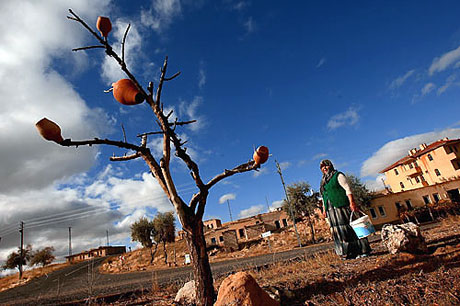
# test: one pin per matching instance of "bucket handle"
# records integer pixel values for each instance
(359, 211)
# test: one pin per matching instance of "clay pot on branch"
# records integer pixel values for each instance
(104, 25)
(260, 155)
(126, 92)
(49, 130)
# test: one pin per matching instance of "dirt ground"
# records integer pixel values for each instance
(381, 279)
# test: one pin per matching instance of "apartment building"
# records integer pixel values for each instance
(425, 166)
(428, 174)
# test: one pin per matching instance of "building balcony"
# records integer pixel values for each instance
(415, 171)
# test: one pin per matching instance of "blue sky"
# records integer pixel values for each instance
(359, 83)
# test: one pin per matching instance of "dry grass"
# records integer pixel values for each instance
(11, 281)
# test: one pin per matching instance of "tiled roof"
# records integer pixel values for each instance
(419, 152)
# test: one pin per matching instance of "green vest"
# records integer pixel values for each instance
(334, 193)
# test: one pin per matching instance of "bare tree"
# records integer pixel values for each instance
(190, 215)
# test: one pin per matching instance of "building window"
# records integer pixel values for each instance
(455, 148)
(411, 166)
(284, 222)
(426, 199)
(221, 238)
(436, 197)
(373, 214)
(401, 184)
(448, 149)
(213, 240)
(277, 224)
(437, 172)
(241, 232)
(382, 211)
(417, 179)
(396, 171)
(430, 157)
(422, 177)
(409, 205)
(398, 205)
(415, 164)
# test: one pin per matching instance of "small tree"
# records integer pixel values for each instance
(43, 257)
(189, 214)
(165, 230)
(361, 194)
(142, 231)
(303, 202)
(14, 259)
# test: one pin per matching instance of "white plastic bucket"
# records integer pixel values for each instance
(362, 226)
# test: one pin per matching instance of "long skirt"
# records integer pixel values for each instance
(346, 243)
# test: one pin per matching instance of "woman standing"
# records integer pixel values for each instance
(338, 203)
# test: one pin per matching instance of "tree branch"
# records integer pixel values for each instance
(123, 43)
(173, 77)
(97, 141)
(126, 157)
(86, 48)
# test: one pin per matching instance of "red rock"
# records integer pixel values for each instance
(242, 289)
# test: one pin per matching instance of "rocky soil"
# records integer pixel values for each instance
(381, 279)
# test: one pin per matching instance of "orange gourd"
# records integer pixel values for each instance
(104, 25)
(261, 155)
(126, 92)
(49, 130)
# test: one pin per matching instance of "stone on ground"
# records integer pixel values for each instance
(403, 238)
(187, 294)
(242, 289)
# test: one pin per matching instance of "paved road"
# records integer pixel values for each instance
(81, 281)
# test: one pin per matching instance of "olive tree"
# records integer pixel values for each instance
(189, 214)
(44, 257)
(165, 230)
(143, 232)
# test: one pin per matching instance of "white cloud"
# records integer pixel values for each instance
(201, 78)
(35, 33)
(111, 71)
(321, 62)
(261, 171)
(285, 165)
(276, 204)
(250, 25)
(319, 156)
(427, 88)
(350, 117)
(227, 197)
(161, 14)
(444, 61)
(251, 211)
(189, 111)
(399, 81)
(450, 81)
(396, 149)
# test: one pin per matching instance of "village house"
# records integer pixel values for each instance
(428, 174)
(230, 234)
(99, 252)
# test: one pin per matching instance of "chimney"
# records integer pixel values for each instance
(412, 151)
(423, 146)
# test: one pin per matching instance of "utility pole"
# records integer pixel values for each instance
(268, 206)
(70, 241)
(21, 230)
(229, 211)
(107, 232)
(288, 202)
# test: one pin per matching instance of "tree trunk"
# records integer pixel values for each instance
(312, 230)
(201, 267)
(164, 251)
(152, 253)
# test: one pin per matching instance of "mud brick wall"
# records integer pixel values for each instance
(254, 231)
(230, 240)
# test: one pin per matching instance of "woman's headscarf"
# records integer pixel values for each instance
(326, 176)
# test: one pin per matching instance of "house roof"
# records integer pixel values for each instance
(420, 152)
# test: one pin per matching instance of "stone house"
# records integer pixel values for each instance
(99, 252)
